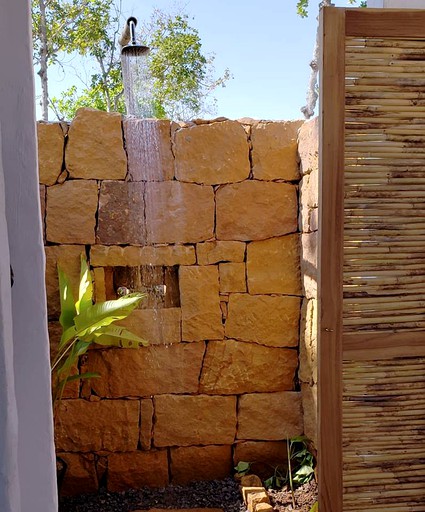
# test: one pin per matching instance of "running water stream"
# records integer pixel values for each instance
(137, 84)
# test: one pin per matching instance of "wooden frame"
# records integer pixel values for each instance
(384, 23)
(333, 346)
(331, 208)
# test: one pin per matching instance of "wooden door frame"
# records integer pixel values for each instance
(337, 24)
(330, 257)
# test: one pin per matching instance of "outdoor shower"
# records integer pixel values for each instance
(128, 41)
(135, 71)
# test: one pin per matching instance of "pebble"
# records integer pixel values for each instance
(222, 494)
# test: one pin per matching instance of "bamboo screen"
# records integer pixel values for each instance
(373, 200)
(384, 271)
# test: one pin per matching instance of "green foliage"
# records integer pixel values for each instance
(315, 507)
(182, 75)
(300, 468)
(302, 461)
(243, 468)
(84, 323)
(302, 6)
(72, 25)
(278, 479)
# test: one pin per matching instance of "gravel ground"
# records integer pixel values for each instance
(216, 494)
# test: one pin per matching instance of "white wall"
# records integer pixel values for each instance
(35, 474)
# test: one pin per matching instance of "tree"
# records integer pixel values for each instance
(63, 27)
(302, 6)
(182, 76)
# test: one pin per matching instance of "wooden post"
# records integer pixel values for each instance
(331, 208)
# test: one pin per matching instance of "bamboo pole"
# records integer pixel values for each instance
(393, 45)
(380, 143)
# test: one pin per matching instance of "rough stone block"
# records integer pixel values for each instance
(216, 251)
(194, 420)
(51, 144)
(146, 423)
(99, 284)
(273, 266)
(212, 153)
(234, 367)
(246, 491)
(179, 212)
(251, 481)
(280, 414)
(148, 145)
(80, 476)
(148, 370)
(55, 333)
(264, 319)
(200, 303)
(67, 257)
(167, 256)
(95, 148)
(232, 277)
(71, 212)
(309, 189)
(308, 219)
(309, 399)
(263, 507)
(255, 210)
(263, 455)
(309, 264)
(111, 425)
(274, 150)
(121, 213)
(137, 469)
(157, 326)
(308, 146)
(308, 342)
(194, 463)
(255, 498)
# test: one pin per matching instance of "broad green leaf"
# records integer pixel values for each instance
(269, 482)
(83, 376)
(67, 336)
(116, 336)
(103, 314)
(315, 507)
(81, 348)
(242, 467)
(85, 293)
(68, 312)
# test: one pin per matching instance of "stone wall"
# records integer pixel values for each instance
(207, 211)
(308, 147)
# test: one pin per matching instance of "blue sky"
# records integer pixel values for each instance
(266, 46)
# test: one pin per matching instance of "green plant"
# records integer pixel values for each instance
(315, 507)
(300, 468)
(278, 479)
(243, 468)
(84, 324)
(301, 460)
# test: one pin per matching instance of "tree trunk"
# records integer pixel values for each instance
(43, 62)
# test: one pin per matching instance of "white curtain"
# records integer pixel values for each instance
(27, 459)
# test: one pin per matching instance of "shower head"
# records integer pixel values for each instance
(129, 46)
